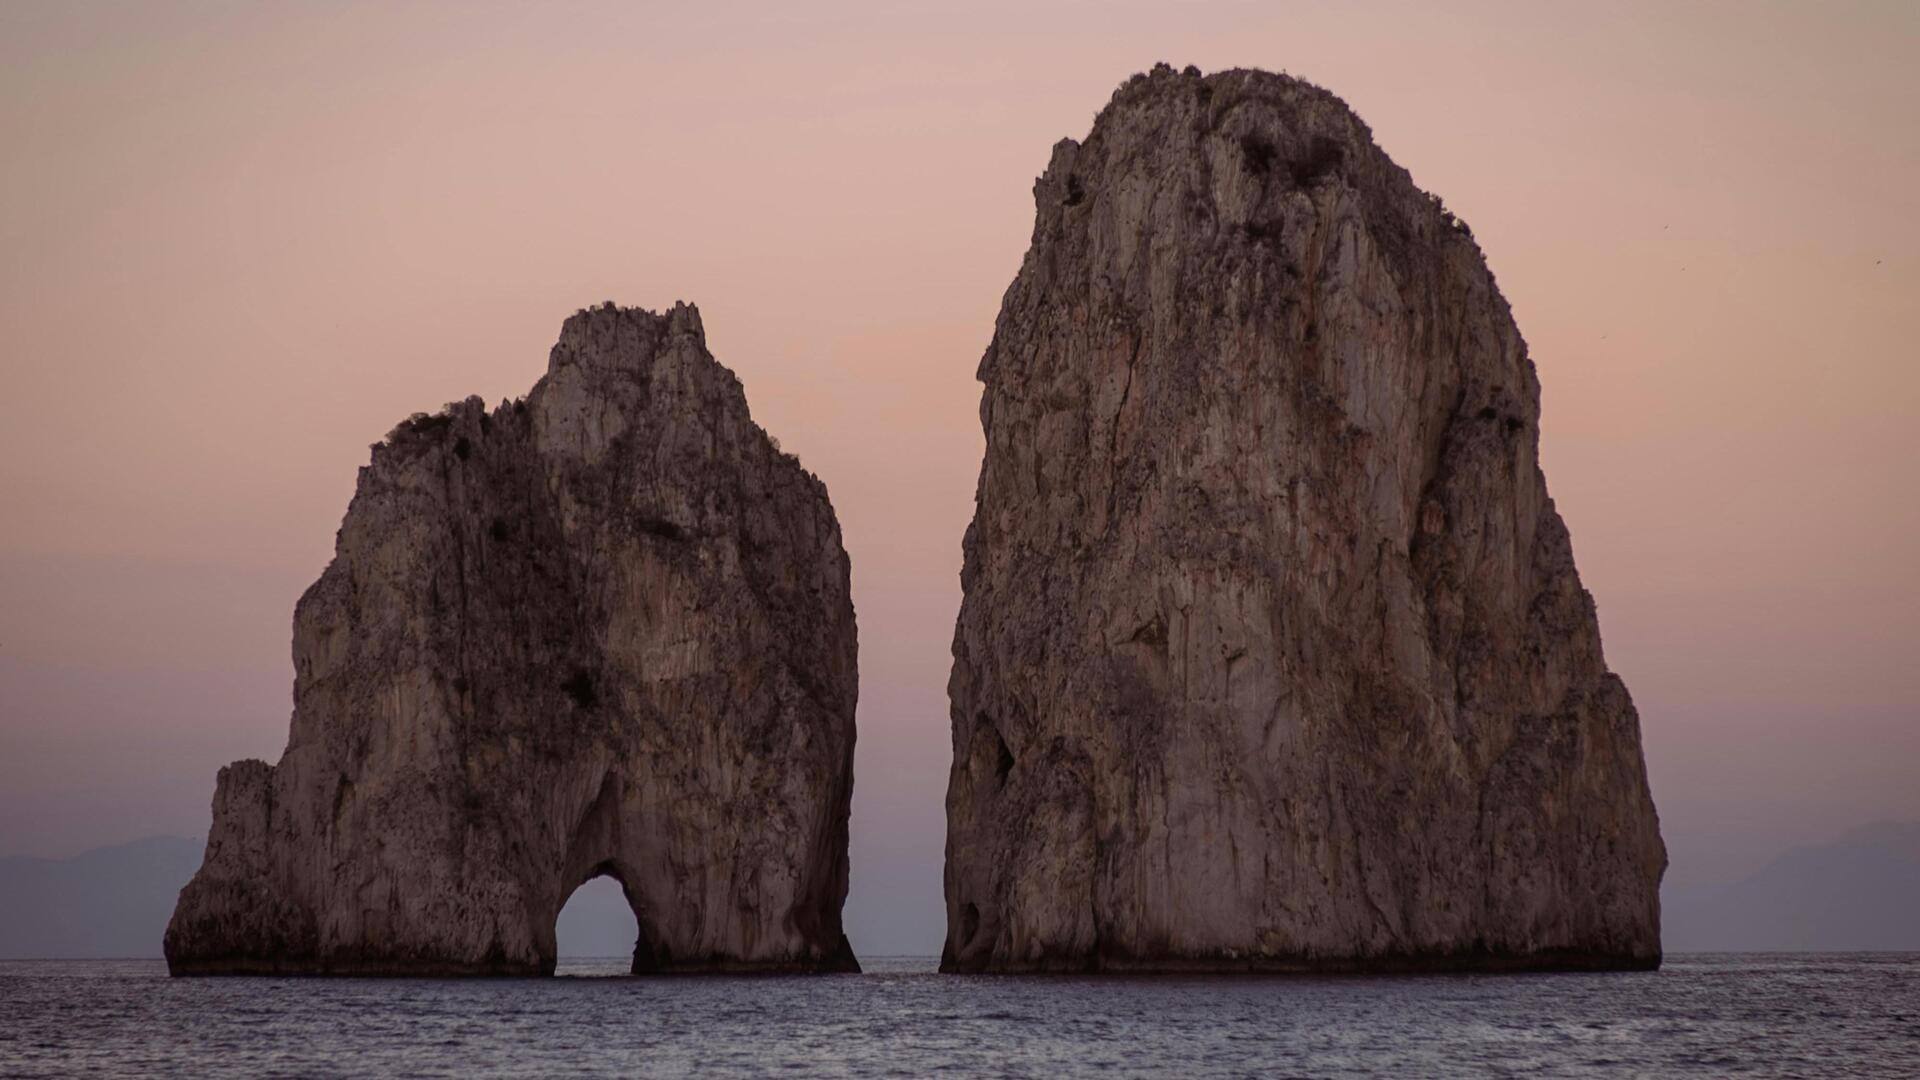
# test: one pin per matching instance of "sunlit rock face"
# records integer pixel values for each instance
(1272, 654)
(602, 630)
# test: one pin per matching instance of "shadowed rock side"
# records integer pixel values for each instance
(1272, 654)
(603, 630)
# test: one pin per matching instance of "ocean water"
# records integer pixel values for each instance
(1707, 1015)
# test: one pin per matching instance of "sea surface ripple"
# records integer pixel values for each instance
(1700, 1015)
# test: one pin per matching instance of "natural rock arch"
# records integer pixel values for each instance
(607, 625)
(599, 849)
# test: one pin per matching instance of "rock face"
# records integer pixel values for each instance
(602, 630)
(1273, 655)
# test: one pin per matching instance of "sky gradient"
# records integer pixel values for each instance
(239, 242)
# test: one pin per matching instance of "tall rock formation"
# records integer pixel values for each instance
(1273, 655)
(602, 630)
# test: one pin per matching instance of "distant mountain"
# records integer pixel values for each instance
(109, 902)
(1859, 892)
(114, 903)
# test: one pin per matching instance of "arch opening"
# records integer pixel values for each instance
(596, 931)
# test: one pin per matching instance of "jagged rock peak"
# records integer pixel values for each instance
(587, 334)
(601, 630)
(1272, 653)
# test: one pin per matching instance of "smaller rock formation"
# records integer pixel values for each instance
(1273, 655)
(602, 630)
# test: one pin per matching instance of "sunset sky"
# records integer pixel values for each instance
(238, 242)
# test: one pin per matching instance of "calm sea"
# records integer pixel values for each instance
(1708, 1015)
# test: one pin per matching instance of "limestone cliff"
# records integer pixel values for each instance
(602, 630)
(1273, 655)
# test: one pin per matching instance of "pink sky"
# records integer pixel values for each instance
(238, 242)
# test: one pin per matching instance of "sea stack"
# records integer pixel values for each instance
(1273, 656)
(604, 629)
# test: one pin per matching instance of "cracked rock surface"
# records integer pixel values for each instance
(1273, 655)
(602, 630)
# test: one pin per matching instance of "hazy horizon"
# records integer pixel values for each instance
(240, 243)
(1853, 892)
